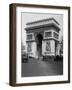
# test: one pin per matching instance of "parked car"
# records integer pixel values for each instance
(58, 58)
(25, 57)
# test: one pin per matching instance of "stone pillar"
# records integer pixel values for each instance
(34, 49)
(52, 42)
(43, 47)
(52, 48)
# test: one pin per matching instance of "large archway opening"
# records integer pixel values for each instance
(39, 39)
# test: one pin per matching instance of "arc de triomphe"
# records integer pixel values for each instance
(42, 37)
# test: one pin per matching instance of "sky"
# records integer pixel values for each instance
(30, 17)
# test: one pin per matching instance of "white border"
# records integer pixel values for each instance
(20, 79)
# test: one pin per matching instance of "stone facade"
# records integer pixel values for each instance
(42, 37)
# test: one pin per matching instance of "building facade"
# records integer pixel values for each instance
(42, 37)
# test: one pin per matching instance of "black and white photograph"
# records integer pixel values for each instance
(41, 44)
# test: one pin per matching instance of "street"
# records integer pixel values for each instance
(35, 67)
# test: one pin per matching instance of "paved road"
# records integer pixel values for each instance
(35, 67)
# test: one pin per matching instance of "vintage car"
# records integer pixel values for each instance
(58, 58)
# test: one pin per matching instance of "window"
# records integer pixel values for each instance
(56, 35)
(48, 34)
(29, 37)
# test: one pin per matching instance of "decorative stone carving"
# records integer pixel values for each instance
(45, 37)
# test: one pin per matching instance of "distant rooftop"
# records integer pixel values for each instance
(38, 21)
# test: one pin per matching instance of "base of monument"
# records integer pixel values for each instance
(48, 58)
(58, 58)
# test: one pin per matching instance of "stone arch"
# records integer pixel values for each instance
(39, 39)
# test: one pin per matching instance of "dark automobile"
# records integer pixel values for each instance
(24, 57)
(58, 58)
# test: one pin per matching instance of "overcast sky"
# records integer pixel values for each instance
(29, 17)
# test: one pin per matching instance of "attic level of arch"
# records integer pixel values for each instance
(51, 25)
(50, 22)
(47, 33)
